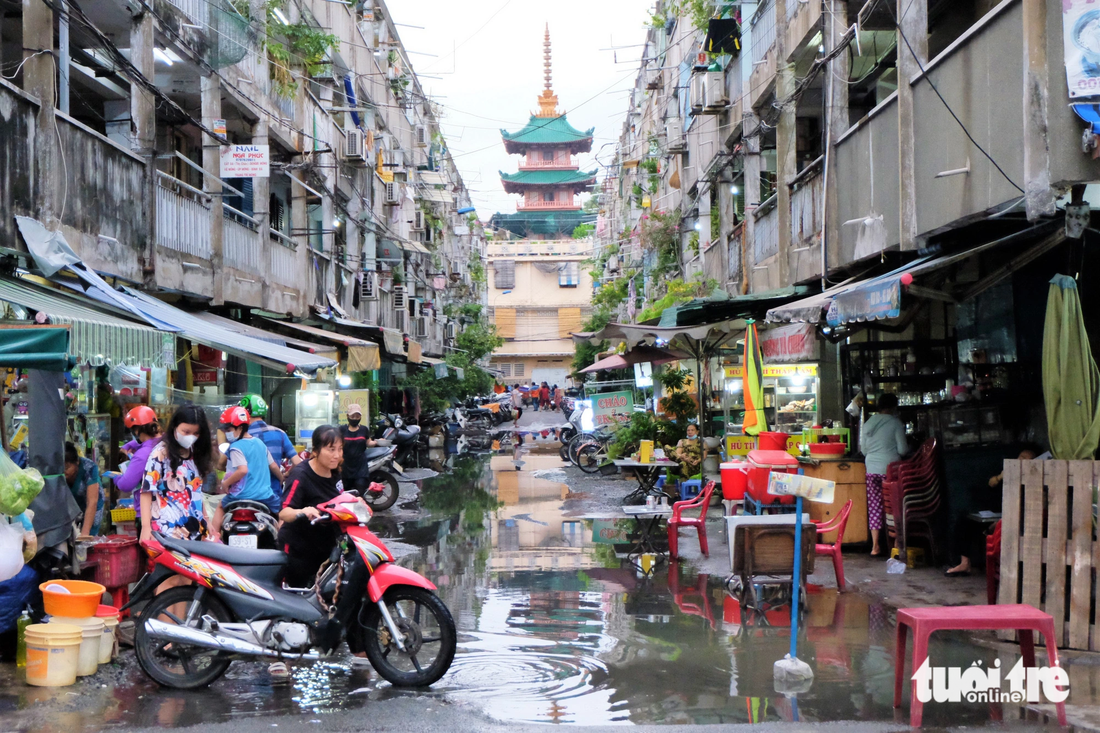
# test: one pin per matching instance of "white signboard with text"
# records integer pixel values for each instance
(245, 161)
(1081, 44)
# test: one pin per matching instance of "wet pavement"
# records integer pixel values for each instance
(553, 628)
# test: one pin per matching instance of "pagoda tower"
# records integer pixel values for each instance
(549, 178)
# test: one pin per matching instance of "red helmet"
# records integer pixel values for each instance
(140, 415)
(234, 416)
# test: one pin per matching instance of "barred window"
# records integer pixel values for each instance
(506, 369)
(569, 276)
(504, 274)
(518, 371)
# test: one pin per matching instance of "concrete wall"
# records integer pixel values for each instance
(18, 183)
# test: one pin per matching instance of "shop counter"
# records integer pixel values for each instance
(849, 475)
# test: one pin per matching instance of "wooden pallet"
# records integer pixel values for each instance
(1049, 550)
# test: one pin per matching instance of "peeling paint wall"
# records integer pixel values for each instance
(18, 187)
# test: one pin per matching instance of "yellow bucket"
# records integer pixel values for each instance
(91, 640)
(107, 644)
(53, 654)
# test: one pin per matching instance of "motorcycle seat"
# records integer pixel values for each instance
(371, 453)
(232, 555)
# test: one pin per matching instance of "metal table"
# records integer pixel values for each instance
(648, 522)
(647, 475)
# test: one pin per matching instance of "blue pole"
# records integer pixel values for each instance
(796, 586)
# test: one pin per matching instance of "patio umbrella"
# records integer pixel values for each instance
(641, 354)
(1071, 380)
(755, 421)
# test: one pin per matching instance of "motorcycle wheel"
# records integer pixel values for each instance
(589, 457)
(429, 630)
(563, 452)
(480, 422)
(566, 435)
(170, 663)
(388, 497)
(575, 445)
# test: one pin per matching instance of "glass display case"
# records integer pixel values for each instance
(313, 408)
(790, 397)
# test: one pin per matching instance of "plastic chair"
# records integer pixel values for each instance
(677, 520)
(837, 523)
(690, 488)
(993, 563)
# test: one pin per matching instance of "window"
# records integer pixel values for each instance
(505, 369)
(548, 196)
(548, 156)
(518, 370)
(504, 274)
(569, 275)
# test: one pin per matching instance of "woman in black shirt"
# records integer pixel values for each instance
(311, 483)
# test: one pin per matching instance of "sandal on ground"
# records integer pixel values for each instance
(279, 672)
(956, 573)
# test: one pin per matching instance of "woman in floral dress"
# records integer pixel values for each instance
(171, 490)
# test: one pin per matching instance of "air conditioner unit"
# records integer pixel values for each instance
(393, 193)
(353, 145)
(368, 290)
(674, 135)
(421, 136)
(698, 93)
(716, 97)
(399, 304)
(418, 220)
(452, 330)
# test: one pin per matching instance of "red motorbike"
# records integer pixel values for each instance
(239, 606)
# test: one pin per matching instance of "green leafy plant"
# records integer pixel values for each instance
(693, 243)
(398, 276)
(650, 165)
(581, 231)
(660, 232)
(715, 223)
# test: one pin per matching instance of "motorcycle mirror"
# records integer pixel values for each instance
(353, 492)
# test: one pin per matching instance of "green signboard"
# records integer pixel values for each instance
(612, 407)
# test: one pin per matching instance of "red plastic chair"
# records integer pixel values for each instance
(837, 523)
(678, 520)
(993, 564)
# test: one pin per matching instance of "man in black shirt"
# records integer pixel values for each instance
(356, 441)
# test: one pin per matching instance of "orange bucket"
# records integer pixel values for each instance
(81, 601)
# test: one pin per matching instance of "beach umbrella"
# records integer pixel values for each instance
(755, 421)
(1071, 380)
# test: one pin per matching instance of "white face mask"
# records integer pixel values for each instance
(186, 441)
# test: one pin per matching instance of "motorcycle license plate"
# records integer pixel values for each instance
(397, 467)
(247, 541)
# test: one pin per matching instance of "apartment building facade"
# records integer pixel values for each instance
(114, 135)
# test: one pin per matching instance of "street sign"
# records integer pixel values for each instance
(793, 484)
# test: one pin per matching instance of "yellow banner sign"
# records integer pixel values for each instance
(774, 370)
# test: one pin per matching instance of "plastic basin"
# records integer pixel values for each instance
(828, 449)
(772, 441)
(81, 601)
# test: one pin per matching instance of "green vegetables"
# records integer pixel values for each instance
(18, 489)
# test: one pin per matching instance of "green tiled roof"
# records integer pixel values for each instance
(525, 223)
(548, 131)
(548, 178)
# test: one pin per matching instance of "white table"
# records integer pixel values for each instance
(757, 520)
(647, 475)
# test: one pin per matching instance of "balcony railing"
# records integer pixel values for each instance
(196, 10)
(183, 217)
(766, 235)
(241, 240)
(807, 207)
(763, 31)
(283, 258)
(533, 248)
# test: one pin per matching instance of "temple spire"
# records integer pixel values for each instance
(548, 101)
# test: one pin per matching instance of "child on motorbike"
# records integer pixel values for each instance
(249, 467)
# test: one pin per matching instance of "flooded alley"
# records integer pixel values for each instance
(554, 627)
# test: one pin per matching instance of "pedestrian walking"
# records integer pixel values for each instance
(559, 394)
(517, 406)
(355, 440)
(883, 442)
(534, 395)
(544, 396)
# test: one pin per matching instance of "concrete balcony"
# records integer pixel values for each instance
(241, 240)
(183, 217)
(573, 248)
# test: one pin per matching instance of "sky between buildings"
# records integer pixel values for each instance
(488, 68)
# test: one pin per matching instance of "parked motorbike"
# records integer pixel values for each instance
(249, 524)
(407, 439)
(382, 472)
(239, 607)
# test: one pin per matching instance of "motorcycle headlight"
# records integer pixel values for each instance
(362, 512)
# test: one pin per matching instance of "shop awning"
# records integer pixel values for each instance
(435, 195)
(711, 309)
(97, 338)
(326, 350)
(393, 341)
(432, 178)
(363, 356)
(879, 298)
(633, 333)
(410, 246)
(35, 347)
(190, 326)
